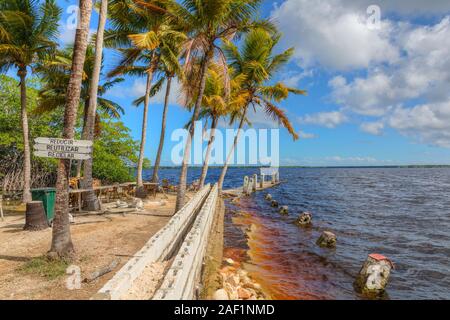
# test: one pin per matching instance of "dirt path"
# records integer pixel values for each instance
(98, 240)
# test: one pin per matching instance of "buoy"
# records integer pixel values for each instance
(327, 240)
(374, 275)
(284, 210)
(304, 220)
(274, 203)
(268, 197)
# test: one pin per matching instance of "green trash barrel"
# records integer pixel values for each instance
(47, 196)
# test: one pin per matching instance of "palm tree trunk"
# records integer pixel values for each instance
(181, 192)
(140, 190)
(208, 152)
(26, 197)
(230, 154)
(83, 133)
(91, 202)
(62, 246)
(155, 177)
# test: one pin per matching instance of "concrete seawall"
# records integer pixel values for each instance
(182, 280)
(161, 246)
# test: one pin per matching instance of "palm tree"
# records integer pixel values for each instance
(27, 33)
(257, 62)
(91, 202)
(216, 104)
(143, 36)
(62, 246)
(208, 23)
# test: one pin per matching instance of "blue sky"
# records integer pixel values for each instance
(376, 96)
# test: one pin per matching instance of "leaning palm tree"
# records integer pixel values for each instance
(217, 103)
(257, 62)
(27, 33)
(208, 23)
(145, 38)
(62, 246)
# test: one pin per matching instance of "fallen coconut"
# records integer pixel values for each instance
(284, 210)
(274, 203)
(374, 275)
(327, 240)
(304, 220)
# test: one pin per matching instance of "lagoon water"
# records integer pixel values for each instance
(402, 213)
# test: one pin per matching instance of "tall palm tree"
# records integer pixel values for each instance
(259, 64)
(91, 202)
(209, 22)
(144, 36)
(62, 246)
(27, 33)
(216, 104)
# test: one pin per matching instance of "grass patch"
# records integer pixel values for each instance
(44, 267)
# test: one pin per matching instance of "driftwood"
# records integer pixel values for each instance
(102, 271)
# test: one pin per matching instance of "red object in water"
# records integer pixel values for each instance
(380, 257)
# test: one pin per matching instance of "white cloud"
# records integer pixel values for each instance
(326, 119)
(428, 123)
(375, 128)
(333, 34)
(306, 135)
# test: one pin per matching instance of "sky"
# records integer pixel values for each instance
(378, 89)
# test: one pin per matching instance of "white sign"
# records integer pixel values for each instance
(268, 171)
(62, 155)
(62, 148)
(64, 142)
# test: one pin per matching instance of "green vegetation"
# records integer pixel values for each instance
(45, 267)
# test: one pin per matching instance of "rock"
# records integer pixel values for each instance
(231, 291)
(229, 261)
(304, 220)
(232, 279)
(220, 294)
(243, 293)
(274, 203)
(268, 197)
(284, 210)
(327, 239)
(374, 275)
(138, 204)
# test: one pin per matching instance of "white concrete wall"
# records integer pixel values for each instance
(156, 249)
(182, 279)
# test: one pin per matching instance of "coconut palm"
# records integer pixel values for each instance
(208, 23)
(28, 29)
(62, 246)
(145, 39)
(256, 60)
(216, 104)
(55, 75)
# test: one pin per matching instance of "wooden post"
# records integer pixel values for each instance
(250, 186)
(245, 184)
(261, 183)
(1, 207)
(255, 182)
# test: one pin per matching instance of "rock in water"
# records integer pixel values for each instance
(268, 197)
(274, 203)
(284, 210)
(327, 240)
(220, 294)
(374, 275)
(304, 220)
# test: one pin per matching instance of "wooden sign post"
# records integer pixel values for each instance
(63, 148)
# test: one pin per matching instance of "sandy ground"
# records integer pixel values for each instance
(98, 241)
